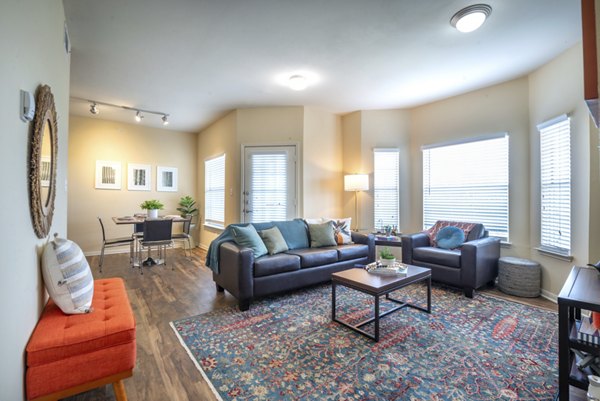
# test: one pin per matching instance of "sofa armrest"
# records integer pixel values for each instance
(479, 261)
(411, 241)
(365, 239)
(236, 270)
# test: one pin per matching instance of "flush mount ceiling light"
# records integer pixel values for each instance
(297, 82)
(470, 18)
(138, 112)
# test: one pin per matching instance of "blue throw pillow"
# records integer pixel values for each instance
(248, 237)
(450, 237)
(295, 233)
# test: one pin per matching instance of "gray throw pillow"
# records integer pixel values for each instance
(248, 237)
(273, 240)
(321, 235)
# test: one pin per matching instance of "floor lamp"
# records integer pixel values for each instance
(355, 183)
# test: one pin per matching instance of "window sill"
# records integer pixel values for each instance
(504, 244)
(555, 255)
(214, 226)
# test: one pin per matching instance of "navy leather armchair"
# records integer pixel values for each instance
(471, 266)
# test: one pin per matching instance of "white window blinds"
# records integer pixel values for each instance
(467, 182)
(269, 187)
(386, 187)
(214, 191)
(555, 178)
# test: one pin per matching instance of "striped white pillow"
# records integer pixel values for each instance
(68, 276)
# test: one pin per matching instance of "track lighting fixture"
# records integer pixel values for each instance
(138, 112)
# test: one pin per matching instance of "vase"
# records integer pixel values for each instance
(387, 262)
(153, 213)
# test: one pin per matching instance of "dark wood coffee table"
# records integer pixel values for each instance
(376, 285)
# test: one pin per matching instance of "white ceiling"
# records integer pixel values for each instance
(198, 59)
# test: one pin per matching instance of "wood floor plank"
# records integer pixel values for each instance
(183, 288)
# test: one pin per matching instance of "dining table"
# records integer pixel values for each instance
(138, 220)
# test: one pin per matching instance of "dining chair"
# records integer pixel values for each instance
(184, 235)
(157, 233)
(113, 242)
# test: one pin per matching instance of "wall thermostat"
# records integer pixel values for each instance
(27, 106)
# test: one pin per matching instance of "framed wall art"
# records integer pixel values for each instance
(166, 179)
(108, 174)
(138, 177)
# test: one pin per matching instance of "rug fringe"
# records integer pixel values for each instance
(210, 385)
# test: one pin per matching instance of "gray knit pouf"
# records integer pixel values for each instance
(520, 277)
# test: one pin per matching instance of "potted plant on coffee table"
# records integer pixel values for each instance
(386, 257)
(152, 206)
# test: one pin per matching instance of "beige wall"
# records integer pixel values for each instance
(317, 135)
(554, 89)
(323, 179)
(33, 53)
(94, 139)
(220, 138)
(499, 108)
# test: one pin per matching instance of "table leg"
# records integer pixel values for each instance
(376, 318)
(429, 295)
(564, 357)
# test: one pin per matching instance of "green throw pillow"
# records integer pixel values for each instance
(274, 240)
(321, 235)
(248, 237)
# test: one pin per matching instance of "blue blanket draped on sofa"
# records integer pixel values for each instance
(294, 231)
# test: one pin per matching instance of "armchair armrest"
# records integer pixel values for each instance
(366, 239)
(479, 261)
(411, 241)
(236, 271)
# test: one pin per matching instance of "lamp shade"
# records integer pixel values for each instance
(356, 182)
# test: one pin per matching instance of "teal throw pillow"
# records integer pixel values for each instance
(273, 240)
(321, 235)
(248, 237)
(450, 237)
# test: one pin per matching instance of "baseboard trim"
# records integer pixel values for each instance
(203, 247)
(550, 296)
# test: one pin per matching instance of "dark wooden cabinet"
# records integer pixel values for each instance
(581, 291)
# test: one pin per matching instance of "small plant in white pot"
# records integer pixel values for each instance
(152, 206)
(386, 257)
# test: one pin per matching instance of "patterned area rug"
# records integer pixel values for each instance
(287, 348)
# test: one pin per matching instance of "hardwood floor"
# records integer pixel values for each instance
(181, 289)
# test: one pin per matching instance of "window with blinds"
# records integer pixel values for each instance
(386, 187)
(555, 179)
(269, 187)
(214, 191)
(468, 181)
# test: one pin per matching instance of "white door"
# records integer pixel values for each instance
(269, 187)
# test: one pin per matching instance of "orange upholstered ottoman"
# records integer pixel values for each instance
(69, 354)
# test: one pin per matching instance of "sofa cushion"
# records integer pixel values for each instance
(275, 264)
(248, 237)
(341, 230)
(310, 257)
(450, 237)
(438, 256)
(273, 240)
(321, 235)
(355, 251)
(295, 233)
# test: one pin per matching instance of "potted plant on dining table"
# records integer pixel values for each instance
(152, 206)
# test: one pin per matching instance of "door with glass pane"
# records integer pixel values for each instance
(269, 188)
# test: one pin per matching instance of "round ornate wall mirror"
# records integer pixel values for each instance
(42, 162)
